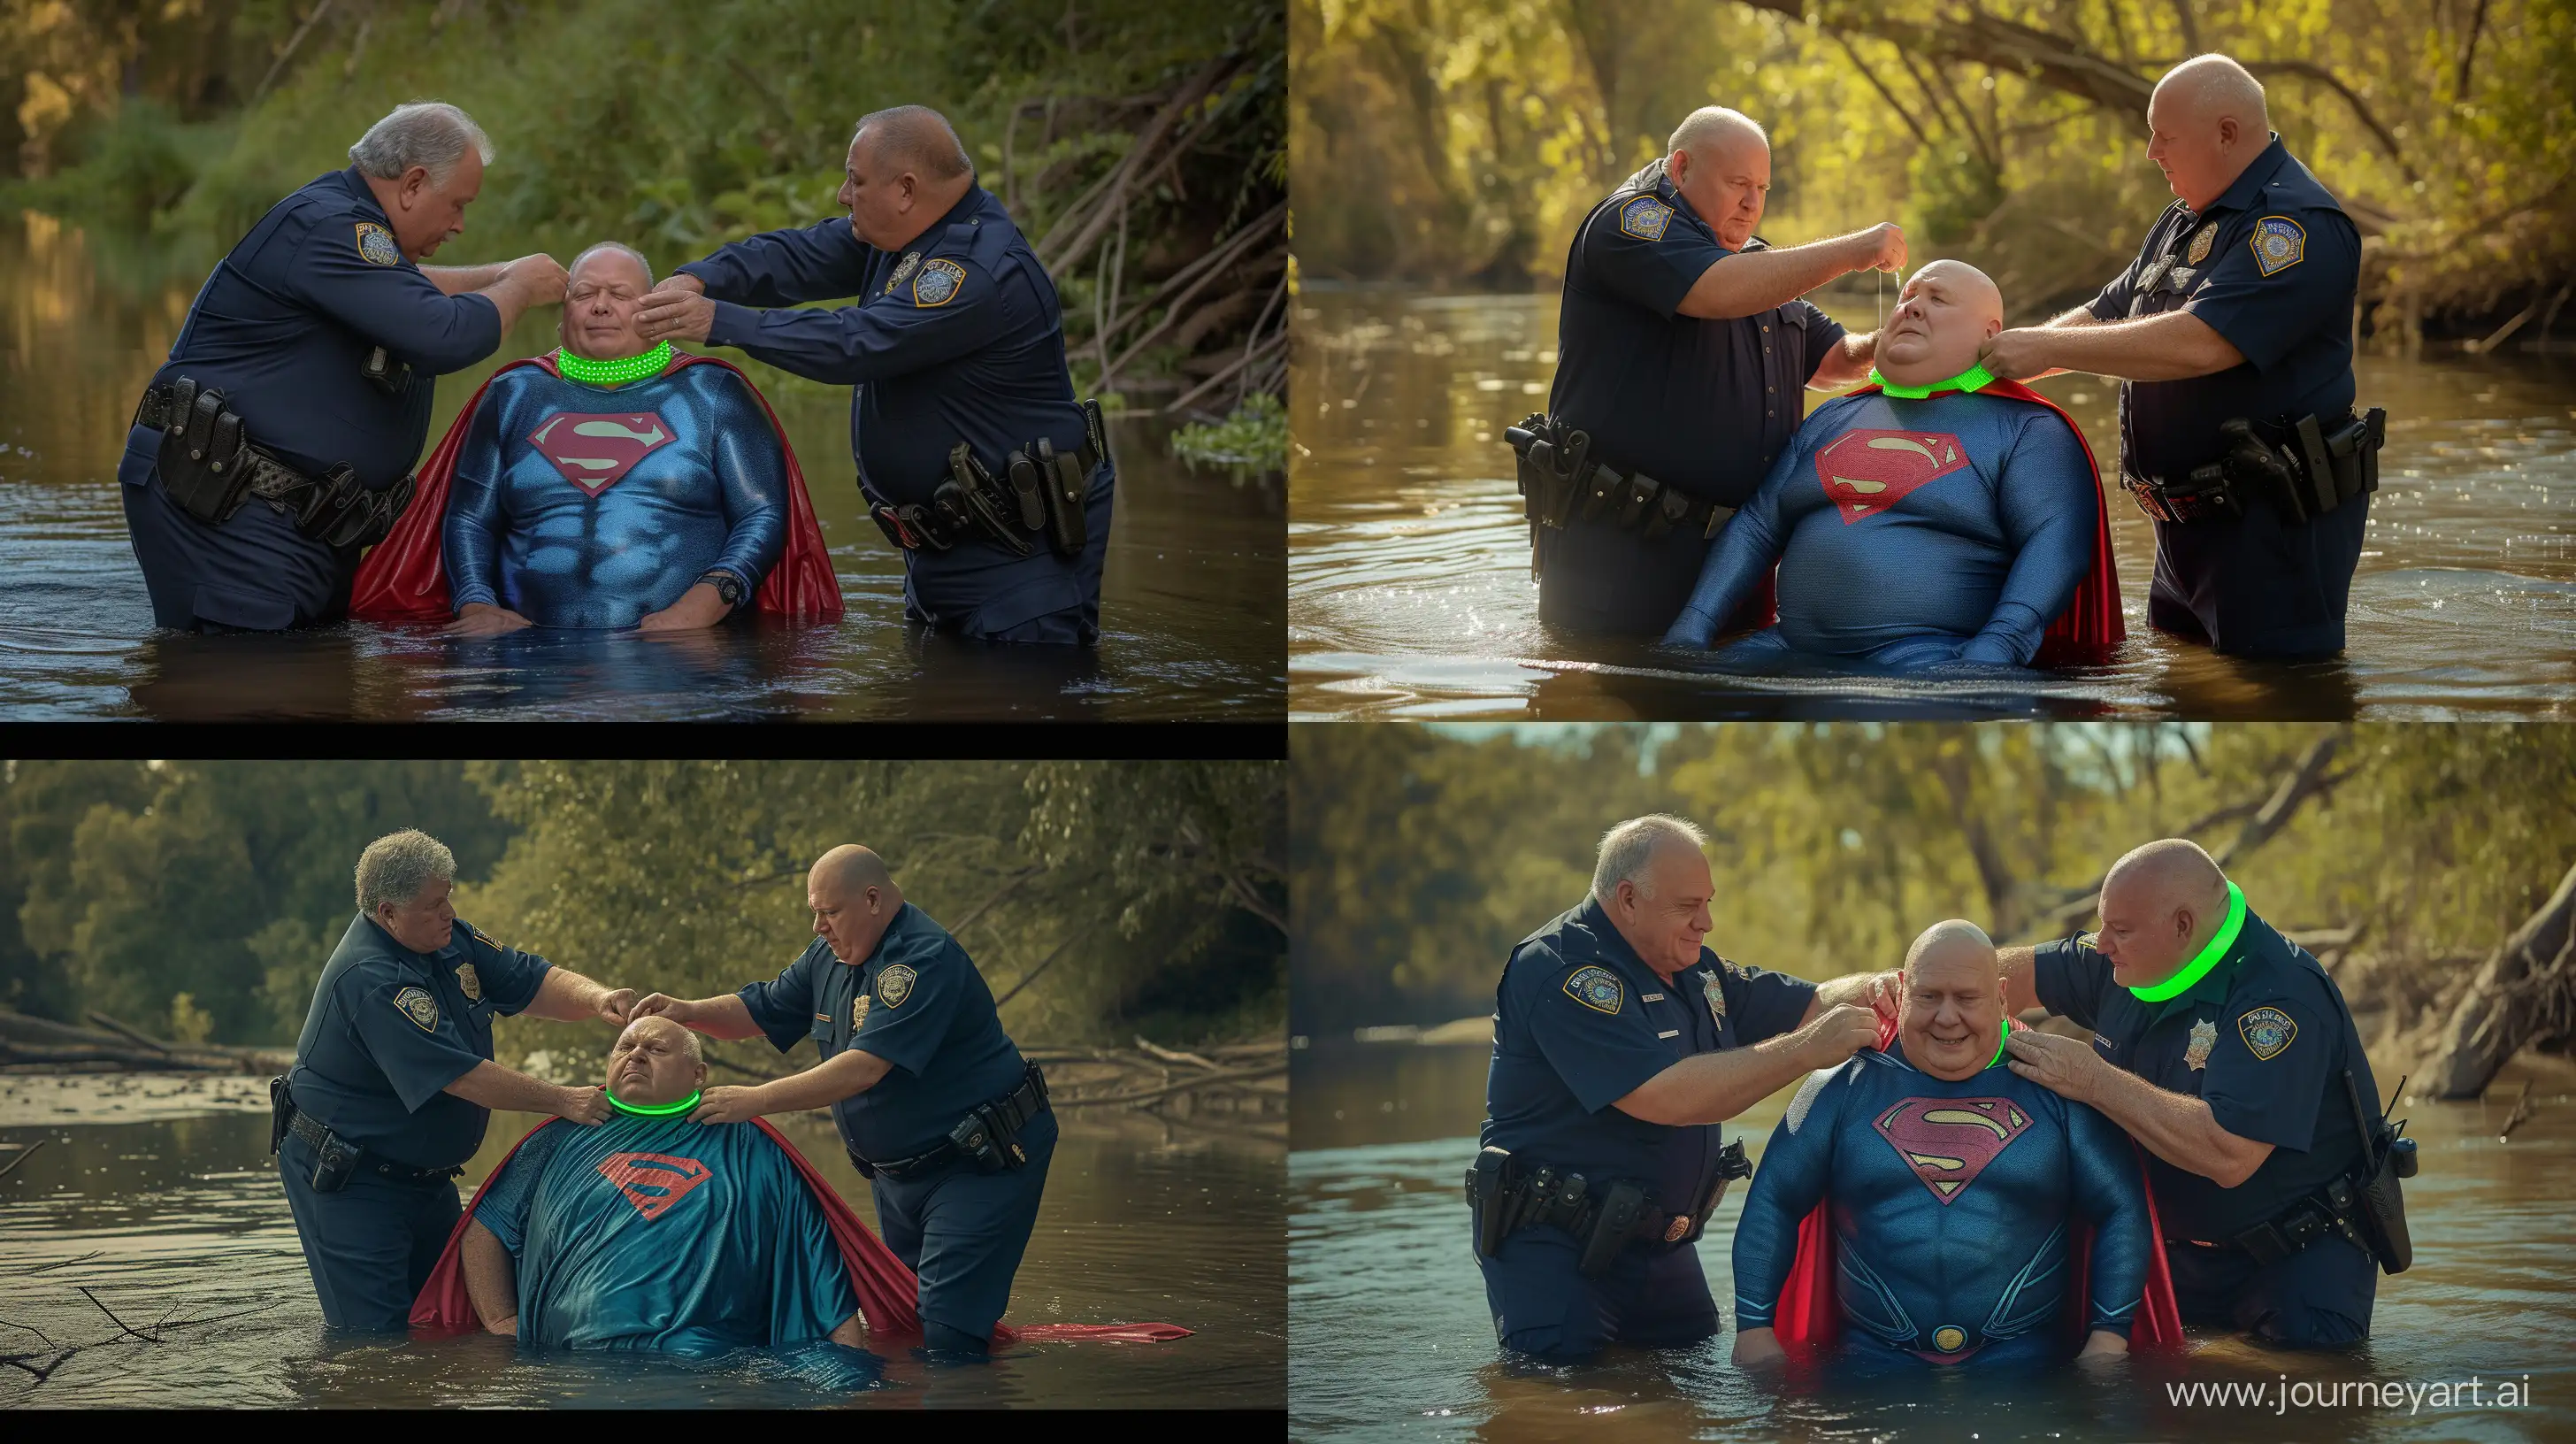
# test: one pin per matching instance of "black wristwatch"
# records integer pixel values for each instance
(727, 585)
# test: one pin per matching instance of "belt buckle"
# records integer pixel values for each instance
(1674, 1230)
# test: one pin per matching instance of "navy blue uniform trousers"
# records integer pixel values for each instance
(371, 1245)
(1651, 1297)
(964, 1233)
(255, 572)
(2316, 1297)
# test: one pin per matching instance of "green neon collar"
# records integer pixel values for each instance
(618, 372)
(1999, 1043)
(2198, 968)
(667, 1110)
(1975, 378)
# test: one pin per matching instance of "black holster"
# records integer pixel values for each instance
(2381, 1211)
(973, 498)
(209, 466)
(989, 1135)
(281, 1113)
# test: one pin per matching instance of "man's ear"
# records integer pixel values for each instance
(2229, 131)
(1994, 327)
(1677, 165)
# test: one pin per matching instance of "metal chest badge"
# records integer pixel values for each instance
(468, 983)
(1716, 998)
(2204, 1036)
(420, 1007)
(903, 271)
(2201, 241)
(859, 1012)
(894, 985)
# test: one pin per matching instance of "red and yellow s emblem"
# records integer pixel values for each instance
(593, 451)
(1866, 472)
(1949, 1141)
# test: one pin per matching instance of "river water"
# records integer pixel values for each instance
(158, 1195)
(1410, 594)
(1191, 603)
(1389, 1336)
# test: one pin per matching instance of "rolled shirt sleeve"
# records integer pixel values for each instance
(418, 1061)
(783, 1007)
(1603, 1056)
(394, 306)
(2267, 1072)
(2265, 316)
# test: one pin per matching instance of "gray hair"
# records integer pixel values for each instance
(1628, 849)
(430, 134)
(620, 246)
(396, 866)
(1709, 124)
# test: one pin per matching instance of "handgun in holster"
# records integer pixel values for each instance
(1621, 1206)
(1488, 1198)
(333, 1162)
(971, 498)
(281, 1113)
(1067, 529)
(976, 1137)
(2387, 1156)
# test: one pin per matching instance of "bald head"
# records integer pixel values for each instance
(1953, 943)
(2169, 872)
(2161, 904)
(680, 1038)
(1950, 1014)
(656, 1062)
(2206, 123)
(913, 138)
(854, 900)
(850, 868)
(1714, 132)
(1945, 311)
(1720, 161)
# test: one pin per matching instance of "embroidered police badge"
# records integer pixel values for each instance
(2204, 1036)
(2267, 1031)
(2200, 244)
(1596, 988)
(2279, 244)
(903, 272)
(859, 1012)
(894, 985)
(938, 283)
(468, 983)
(420, 1007)
(376, 245)
(1645, 218)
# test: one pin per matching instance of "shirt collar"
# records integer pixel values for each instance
(2213, 986)
(2249, 183)
(355, 181)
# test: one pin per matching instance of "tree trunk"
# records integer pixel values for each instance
(2492, 1020)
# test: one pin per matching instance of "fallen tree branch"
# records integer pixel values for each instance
(1185, 1086)
(1175, 1055)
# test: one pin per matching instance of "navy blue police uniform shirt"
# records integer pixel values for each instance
(2263, 1039)
(958, 337)
(2272, 265)
(1699, 404)
(287, 319)
(1580, 1022)
(917, 1002)
(391, 1028)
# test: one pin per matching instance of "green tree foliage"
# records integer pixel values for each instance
(1419, 858)
(1457, 141)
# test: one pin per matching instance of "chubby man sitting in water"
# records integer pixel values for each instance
(1936, 515)
(1955, 1193)
(652, 1231)
(607, 484)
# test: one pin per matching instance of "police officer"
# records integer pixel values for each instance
(394, 1079)
(973, 456)
(2232, 331)
(936, 1106)
(1682, 347)
(1620, 1043)
(2228, 1053)
(301, 381)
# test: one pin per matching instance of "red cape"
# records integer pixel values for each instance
(2091, 626)
(888, 1292)
(404, 579)
(1810, 1317)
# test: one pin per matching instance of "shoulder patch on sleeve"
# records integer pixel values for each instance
(2267, 1032)
(1645, 218)
(895, 984)
(1596, 988)
(419, 1006)
(938, 283)
(2279, 243)
(376, 245)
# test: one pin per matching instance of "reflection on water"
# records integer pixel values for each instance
(1410, 593)
(1191, 608)
(169, 1210)
(1388, 1333)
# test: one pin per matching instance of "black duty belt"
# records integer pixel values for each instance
(311, 1130)
(2316, 466)
(210, 466)
(988, 1136)
(1562, 478)
(1036, 497)
(1508, 1194)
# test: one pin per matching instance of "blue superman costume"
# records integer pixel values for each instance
(1985, 1218)
(1960, 522)
(660, 1233)
(587, 506)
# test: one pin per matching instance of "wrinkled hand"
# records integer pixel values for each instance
(728, 1105)
(542, 274)
(1883, 1000)
(1757, 1347)
(618, 1006)
(699, 606)
(2016, 355)
(1839, 1032)
(674, 311)
(661, 1005)
(2063, 1066)
(1881, 248)
(584, 1105)
(482, 619)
